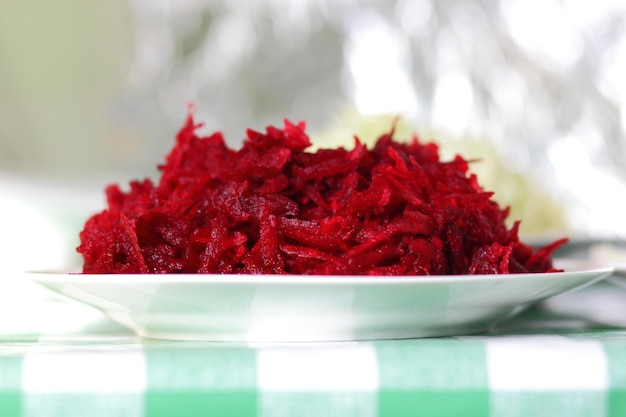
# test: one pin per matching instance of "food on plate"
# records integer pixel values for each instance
(272, 207)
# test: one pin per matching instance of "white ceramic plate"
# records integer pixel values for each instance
(271, 308)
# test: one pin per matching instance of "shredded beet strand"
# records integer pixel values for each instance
(274, 208)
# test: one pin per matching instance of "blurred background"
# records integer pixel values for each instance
(94, 92)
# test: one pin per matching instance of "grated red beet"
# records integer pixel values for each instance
(272, 208)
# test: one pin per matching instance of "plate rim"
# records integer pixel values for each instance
(54, 276)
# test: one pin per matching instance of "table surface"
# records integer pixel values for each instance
(565, 356)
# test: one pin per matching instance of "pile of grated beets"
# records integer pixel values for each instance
(273, 208)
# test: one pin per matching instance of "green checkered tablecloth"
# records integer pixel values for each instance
(565, 357)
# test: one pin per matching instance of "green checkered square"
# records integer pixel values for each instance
(442, 377)
(441, 403)
(316, 404)
(432, 364)
(10, 386)
(201, 382)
